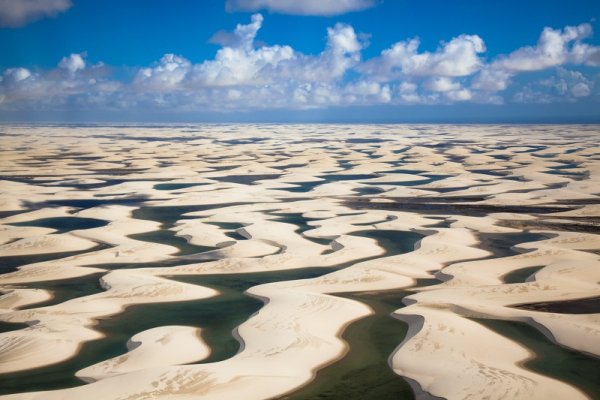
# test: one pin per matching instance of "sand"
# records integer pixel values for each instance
(290, 197)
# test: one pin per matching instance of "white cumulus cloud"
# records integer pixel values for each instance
(72, 63)
(555, 48)
(165, 75)
(442, 84)
(247, 74)
(458, 57)
(240, 63)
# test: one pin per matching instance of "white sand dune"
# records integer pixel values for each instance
(58, 331)
(496, 183)
(156, 347)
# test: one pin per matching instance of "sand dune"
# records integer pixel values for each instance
(477, 225)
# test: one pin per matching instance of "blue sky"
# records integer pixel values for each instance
(302, 60)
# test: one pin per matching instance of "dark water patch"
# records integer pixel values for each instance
(569, 174)
(365, 191)
(345, 164)
(402, 150)
(89, 203)
(492, 172)
(566, 165)
(118, 171)
(11, 263)
(29, 179)
(581, 202)
(231, 228)
(426, 282)
(66, 289)
(372, 155)
(222, 167)
(521, 275)
(394, 242)
(474, 150)
(516, 178)
(449, 189)
(452, 206)
(233, 142)
(367, 140)
(402, 183)
(88, 186)
(302, 187)
(555, 186)
(169, 215)
(349, 177)
(552, 360)
(501, 157)
(167, 237)
(245, 179)
(87, 158)
(175, 186)
(302, 223)
(455, 158)
(364, 372)
(445, 145)
(228, 226)
(289, 166)
(235, 236)
(312, 140)
(64, 224)
(590, 305)
(10, 213)
(406, 171)
(584, 225)
(111, 194)
(571, 151)
(549, 155)
(151, 138)
(11, 326)
(502, 244)
(63, 156)
(531, 149)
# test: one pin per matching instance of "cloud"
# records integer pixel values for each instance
(459, 57)
(555, 48)
(442, 84)
(15, 13)
(246, 74)
(239, 62)
(70, 81)
(300, 7)
(165, 75)
(72, 63)
(242, 63)
(564, 85)
(16, 74)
